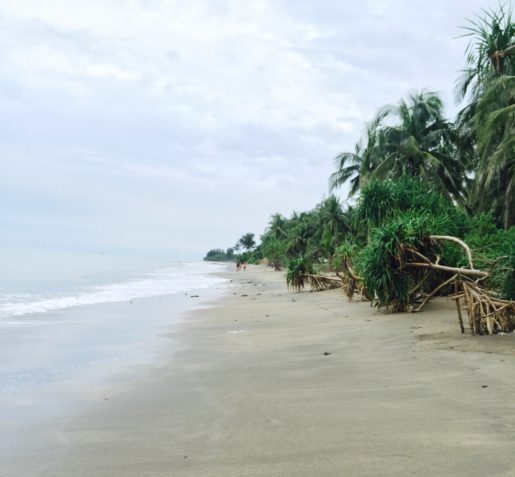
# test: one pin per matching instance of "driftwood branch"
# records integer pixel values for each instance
(435, 291)
(458, 307)
(487, 314)
(353, 274)
(459, 242)
(321, 282)
(419, 255)
(445, 268)
(420, 283)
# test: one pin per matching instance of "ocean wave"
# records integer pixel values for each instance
(180, 278)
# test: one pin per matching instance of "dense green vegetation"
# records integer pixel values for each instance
(219, 255)
(425, 189)
(470, 160)
(245, 250)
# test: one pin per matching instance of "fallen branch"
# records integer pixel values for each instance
(460, 317)
(433, 293)
(459, 242)
(321, 282)
(487, 314)
(445, 268)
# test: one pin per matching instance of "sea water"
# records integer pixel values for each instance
(75, 327)
(63, 314)
(35, 282)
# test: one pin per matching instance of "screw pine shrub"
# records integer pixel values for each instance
(298, 268)
(382, 263)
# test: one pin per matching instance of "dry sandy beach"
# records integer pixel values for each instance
(266, 382)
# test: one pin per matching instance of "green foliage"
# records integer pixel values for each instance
(377, 202)
(494, 249)
(297, 269)
(382, 200)
(494, 127)
(254, 256)
(504, 271)
(416, 174)
(419, 144)
(489, 53)
(380, 263)
(274, 249)
(219, 255)
(247, 241)
(344, 255)
(486, 125)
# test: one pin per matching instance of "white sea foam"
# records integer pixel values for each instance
(179, 278)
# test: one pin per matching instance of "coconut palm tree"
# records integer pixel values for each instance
(331, 217)
(420, 143)
(332, 224)
(490, 52)
(485, 124)
(356, 166)
(278, 226)
(302, 234)
(494, 124)
(247, 241)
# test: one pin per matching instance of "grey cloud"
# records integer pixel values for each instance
(124, 127)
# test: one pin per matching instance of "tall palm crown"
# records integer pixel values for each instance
(278, 226)
(301, 233)
(331, 216)
(494, 123)
(419, 143)
(490, 52)
(356, 166)
(487, 123)
(332, 223)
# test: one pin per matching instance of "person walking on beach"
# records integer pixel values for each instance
(238, 265)
(244, 266)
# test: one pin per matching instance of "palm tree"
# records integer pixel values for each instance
(331, 218)
(419, 144)
(494, 123)
(332, 224)
(490, 52)
(278, 226)
(247, 241)
(356, 166)
(486, 123)
(302, 235)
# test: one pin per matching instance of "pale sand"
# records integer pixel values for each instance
(251, 393)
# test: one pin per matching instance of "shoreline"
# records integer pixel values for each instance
(270, 383)
(56, 366)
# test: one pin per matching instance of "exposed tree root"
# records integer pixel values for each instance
(352, 282)
(322, 282)
(487, 314)
(435, 291)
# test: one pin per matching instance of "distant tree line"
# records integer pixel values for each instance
(219, 255)
(245, 250)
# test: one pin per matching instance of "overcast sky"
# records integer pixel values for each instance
(161, 126)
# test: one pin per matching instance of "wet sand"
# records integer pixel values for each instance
(270, 383)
